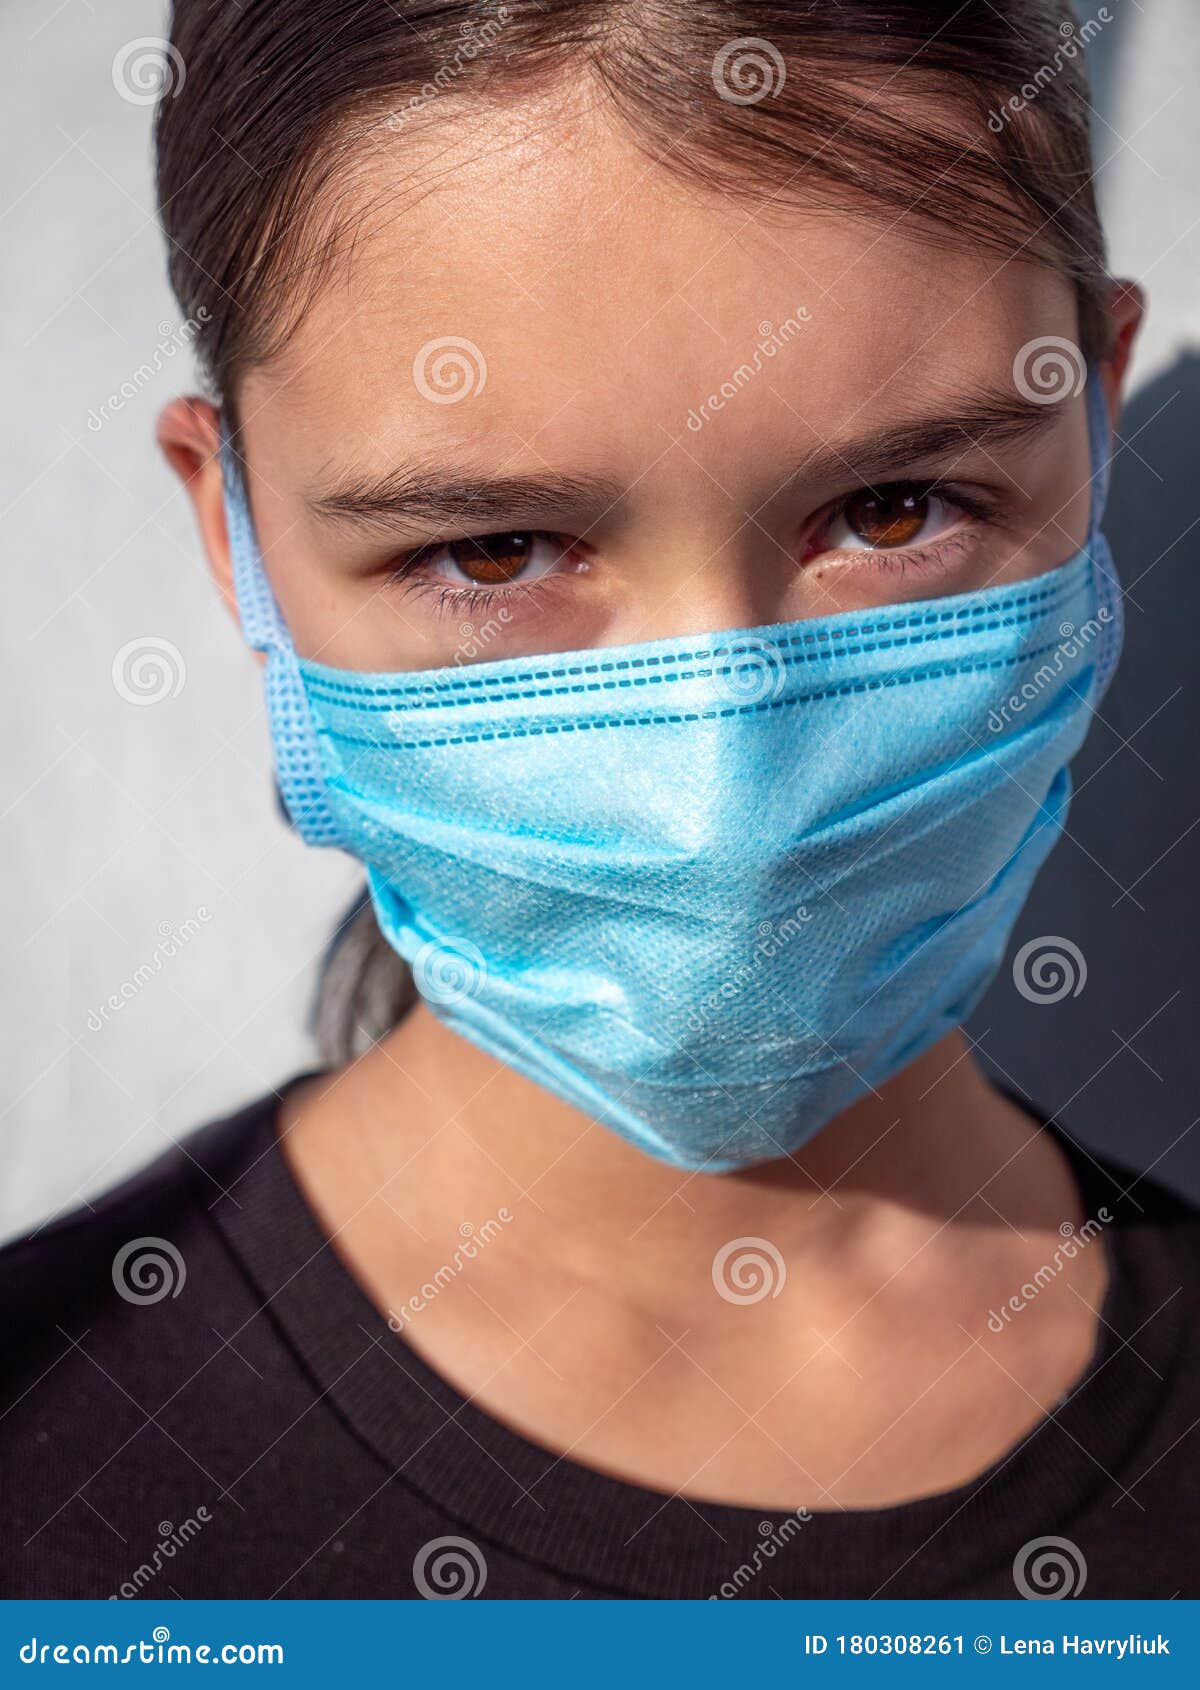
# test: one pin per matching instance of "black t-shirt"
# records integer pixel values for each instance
(253, 1428)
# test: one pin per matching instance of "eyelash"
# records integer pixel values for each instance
(465, 601)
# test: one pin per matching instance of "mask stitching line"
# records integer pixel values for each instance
(690, 715)
(403, 706)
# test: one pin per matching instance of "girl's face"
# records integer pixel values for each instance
(557, 398)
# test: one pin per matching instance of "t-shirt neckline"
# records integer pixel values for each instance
(619, 1538)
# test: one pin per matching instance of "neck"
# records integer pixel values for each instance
(451, 1137)
(586, 1312)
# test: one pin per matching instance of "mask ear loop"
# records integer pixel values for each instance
(1109, 598)
(297, 754)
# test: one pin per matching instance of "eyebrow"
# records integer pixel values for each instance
(421, 494)
(415, 493)
(975, 422)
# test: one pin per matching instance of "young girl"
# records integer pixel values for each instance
(658, 449)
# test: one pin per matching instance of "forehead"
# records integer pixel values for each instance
(580, 296)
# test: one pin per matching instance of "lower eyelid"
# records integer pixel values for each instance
(932, 554)
(449, 599)
(937, 554)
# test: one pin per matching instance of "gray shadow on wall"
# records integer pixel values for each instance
(1119, 1063)
(1106, 55)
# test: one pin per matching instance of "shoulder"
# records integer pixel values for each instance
(138, 1364)
(115, 1318)
(128, 1248)
(106, 1311)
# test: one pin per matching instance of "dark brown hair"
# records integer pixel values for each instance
(968, 119)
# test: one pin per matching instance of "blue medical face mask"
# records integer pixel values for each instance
(710, 890)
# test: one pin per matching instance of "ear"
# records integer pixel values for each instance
(189, 437)
(1126, 309)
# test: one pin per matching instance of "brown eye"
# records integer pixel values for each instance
(514, 558)
(891, 517)
(491, 560)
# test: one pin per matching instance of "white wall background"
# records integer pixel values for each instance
(116, 825)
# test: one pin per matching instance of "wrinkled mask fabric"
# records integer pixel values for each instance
(709, 890)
